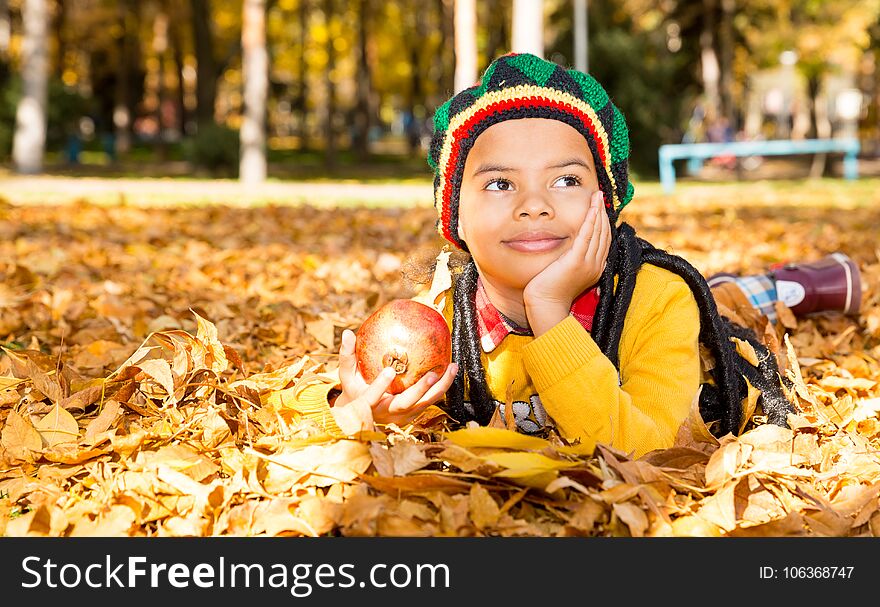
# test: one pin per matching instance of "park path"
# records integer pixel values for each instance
(165, 192)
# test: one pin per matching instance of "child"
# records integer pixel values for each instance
(562, 310)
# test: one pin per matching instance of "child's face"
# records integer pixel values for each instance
(519, 209)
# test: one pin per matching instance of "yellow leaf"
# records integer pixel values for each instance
(482, 508)
(19, 436)
(746, 350)
(8, 382)
(160, 371)
(634, 517)
(694, 526)
(322, 330)
(104, 420)
(440, 283)
(207, 334)
(353, 418)
(495, 437)
(399, 459)
(116, 521)
(748, 404)
(719, 509)
(523, 461)
(317, 465)
(58, 426)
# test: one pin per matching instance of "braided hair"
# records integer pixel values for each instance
(522, 85)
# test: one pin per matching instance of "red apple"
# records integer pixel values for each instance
(407, 335)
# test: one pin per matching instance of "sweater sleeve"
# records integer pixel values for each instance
(659, 372)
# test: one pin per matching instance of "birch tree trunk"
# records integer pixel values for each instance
(255, 72)
(465, 44)
(30, 118)
(528, 27)
(581, 36)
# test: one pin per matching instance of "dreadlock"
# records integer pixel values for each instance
(719, 400)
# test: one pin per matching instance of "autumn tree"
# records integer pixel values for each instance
(30, 119)
(465, 44)
(528, 27)
(255, 72)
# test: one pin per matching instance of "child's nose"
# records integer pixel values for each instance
(534, 204)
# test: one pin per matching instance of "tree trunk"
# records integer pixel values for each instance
(123, 113)
(5, 29)
(710, 70)
(30, 118)
(465, 44)
(160, 46)
(528, 27)
(872, 119)
(821, 126)
(415, 96)
(330, 89)
(581, 36)
(446, 57)
(206, 68)
(5, 38)
(498, 30)
(363, 110)
(255, 72)
(179, 67)
(725, 43)
(58, 26)
(300, 104)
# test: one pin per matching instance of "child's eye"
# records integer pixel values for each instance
(573, 178)
(499, 181)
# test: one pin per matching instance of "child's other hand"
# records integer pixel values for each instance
(387, 408)
(549, 295)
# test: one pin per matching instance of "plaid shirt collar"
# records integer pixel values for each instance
(494, 326)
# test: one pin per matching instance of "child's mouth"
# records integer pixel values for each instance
(537, 243)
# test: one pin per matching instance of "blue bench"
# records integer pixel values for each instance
(696, 152)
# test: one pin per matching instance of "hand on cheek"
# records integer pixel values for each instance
(549, 295)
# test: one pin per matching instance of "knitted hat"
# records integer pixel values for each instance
(521, 85)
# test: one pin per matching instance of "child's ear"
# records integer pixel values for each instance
(460, 231)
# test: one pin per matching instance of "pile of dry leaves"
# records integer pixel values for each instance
(153, 362)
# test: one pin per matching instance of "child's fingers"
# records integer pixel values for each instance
(582, 238)
(604, 246)
(601, 231)
(376, 390)
(347, 360)
(436, 392)
(426, 391)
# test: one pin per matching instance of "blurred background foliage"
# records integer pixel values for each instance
(349, 83)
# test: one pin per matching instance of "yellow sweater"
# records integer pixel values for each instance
(564, 373)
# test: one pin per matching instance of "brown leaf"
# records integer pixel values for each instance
(104, 420)
(19, 437)
(634, 517)
(58, 426)
(417, 483)
(316, 465)
(483, 509)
